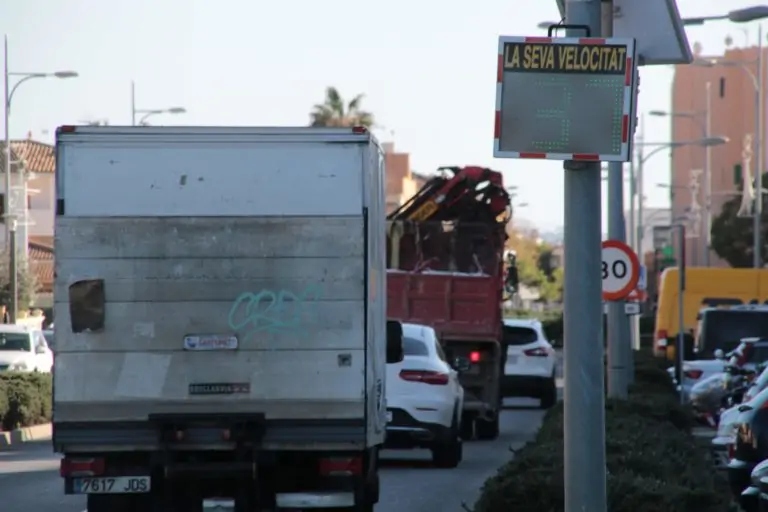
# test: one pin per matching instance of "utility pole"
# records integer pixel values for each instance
(584, 403)
(708, 179)
(619, 349)
(760, 155)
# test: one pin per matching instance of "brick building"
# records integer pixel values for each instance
(732, 111)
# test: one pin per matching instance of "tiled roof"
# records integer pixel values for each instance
(41, 263)
(42, 240)
(37, 156)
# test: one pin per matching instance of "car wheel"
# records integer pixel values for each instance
(548, 397)
(448, 454)
(487, 430)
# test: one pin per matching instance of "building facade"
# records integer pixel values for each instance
(726, 89)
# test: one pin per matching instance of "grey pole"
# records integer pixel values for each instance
(759, 154)
(133, 103)
(618, 342)
(7, 150)
(708, 179)
(584, 402)
(634, 326)
(680, 311)
(640, 199)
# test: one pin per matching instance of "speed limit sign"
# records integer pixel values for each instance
(620, 270)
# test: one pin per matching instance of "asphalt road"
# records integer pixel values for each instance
(29, 479)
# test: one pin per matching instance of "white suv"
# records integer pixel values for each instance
(530, 362)
(24, 349)
(424, 398)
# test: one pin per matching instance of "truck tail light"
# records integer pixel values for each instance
(474, 357)
(425, 376)
(537, 352)
(341, 466)
(81, 467)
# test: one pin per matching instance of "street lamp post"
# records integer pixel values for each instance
(9, 219)
(149, 112)
(642, 158)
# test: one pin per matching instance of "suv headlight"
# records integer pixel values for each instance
(19, 366)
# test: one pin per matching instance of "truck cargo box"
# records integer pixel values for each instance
(220, 271)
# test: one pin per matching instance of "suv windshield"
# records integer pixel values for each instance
(724, 328)
(15, 341)
(519, 335)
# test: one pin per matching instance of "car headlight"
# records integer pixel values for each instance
(760, 471)
(19, 366)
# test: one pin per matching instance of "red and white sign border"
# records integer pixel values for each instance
(629, 82)
(634, 264)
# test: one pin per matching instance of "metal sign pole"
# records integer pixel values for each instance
(681, 312)
(584, 401)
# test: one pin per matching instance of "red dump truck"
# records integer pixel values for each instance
(445, 269)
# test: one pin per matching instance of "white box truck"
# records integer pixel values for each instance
(220, 317)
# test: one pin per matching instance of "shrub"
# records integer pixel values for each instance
(654, 463)
(25, 399)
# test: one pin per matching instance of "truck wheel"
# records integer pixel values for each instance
(467, 427)
(549, 395)
(487, 430)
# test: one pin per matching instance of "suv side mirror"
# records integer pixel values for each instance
(461, 364)
(394, 341)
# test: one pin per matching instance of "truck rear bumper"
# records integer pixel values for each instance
(302, 500)
(212, 432)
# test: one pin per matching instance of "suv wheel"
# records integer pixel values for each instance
(548, 397)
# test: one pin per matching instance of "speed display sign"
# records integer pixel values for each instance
(620, 270)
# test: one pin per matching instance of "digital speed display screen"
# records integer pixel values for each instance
(559, 99)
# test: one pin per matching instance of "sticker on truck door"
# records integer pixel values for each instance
(210, 342)
(220, 388)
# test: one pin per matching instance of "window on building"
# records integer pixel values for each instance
(722, 87)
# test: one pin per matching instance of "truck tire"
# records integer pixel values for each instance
(467, 427)
(487, 430)
(548, 397)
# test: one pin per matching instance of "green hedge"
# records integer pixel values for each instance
(25, 399)
(654, 462)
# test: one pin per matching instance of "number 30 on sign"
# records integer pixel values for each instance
(620, 270)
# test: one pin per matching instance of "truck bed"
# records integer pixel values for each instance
(459, 306)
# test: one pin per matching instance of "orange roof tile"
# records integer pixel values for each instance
(37, 156)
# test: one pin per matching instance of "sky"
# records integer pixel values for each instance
(427, 70)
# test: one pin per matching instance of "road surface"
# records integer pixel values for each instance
(29, 479)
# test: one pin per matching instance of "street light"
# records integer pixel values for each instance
(10, 221)
(704, 142)
(747, 15)
(149, 112)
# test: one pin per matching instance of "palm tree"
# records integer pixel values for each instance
(333, 111)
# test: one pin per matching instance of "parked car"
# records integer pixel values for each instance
(751, 447)
(698, 371)
(424, 398)
(750, 497)
(530, 362)
(707, 398)
(24, 349)
(758, 384)
(724, 442)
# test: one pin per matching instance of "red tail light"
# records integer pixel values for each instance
(474, 357)
(341, 466)
(661, 338)
(81, 467)
(425, 376)
(693, 374)
(536, 352)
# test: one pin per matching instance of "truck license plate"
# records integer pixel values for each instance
(389, 416)
(112, 485)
